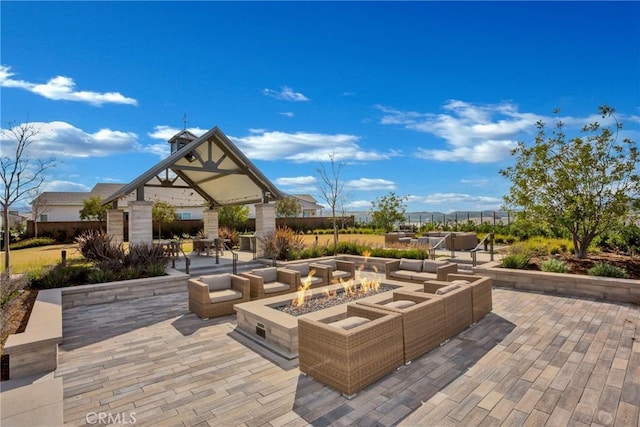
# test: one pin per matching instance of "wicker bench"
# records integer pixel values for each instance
(417, 271)
(352, 356)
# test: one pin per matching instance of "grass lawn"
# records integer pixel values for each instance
(23, 260)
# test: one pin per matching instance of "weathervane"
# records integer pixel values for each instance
(184, 121)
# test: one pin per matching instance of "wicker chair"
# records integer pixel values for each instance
(317, 275)
(271, 281)
(423, 320)
(350, 359)
(215, 295)
(458, 308)
(481, 298)
(338, 269)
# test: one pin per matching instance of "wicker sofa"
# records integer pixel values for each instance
(458, 306)
(271, 281)
(338, 269)
(417, 271)
(215, 295)
(353, 351)
(481, 298)
(423, 320)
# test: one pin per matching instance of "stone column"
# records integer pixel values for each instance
(115, 225)
(140, 222)
(211, 223)
(265, 223)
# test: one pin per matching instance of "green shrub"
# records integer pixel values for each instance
(607, 270)
(518, 257)
(282, 243)
(554, 265)
(101, 276)
(32, 243)
(60, 276)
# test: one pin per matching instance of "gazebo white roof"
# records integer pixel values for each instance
(212, 166)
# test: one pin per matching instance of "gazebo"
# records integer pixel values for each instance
(213, 167)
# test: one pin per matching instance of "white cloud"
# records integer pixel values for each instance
(285, 94)
(305, 147)
(56, 138)
(287, 114)
(165, 133)
(359, 205)
(370, 184)
(295, 181)
(61, 88)
(58, 185)
(474, 133)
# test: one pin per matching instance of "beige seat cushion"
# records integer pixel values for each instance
(447, 289)
(402, 274)
(217, 282)
(272, 287)
(268, 274)
(430, 266)
(339, 274)
(302, 268)
(460, 282)
(225, 295)
(330, 263)
(421, 277)
(313, 279)
(410, 264)
(349, 322)
(400, 304)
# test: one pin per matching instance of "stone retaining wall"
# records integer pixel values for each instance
(603, 288)
(174, 281)
(35, 350)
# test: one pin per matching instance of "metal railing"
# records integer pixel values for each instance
(483, 243)
(432, 249)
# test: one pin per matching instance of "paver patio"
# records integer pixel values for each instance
(535, 359)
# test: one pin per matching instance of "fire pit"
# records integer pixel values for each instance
(267, 322)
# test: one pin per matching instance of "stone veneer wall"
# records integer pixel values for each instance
(603, 288)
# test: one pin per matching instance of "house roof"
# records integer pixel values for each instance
(308, 200)
(179, 197)
(210, 165)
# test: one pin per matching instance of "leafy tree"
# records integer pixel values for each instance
(233, 216)
(163, 213)
(584, 185)
(22, 174)
(387, 210)
(332, 188)
(93, 210)
(288, 207)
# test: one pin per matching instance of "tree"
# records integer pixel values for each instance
(331, 188)
(21, 173)
(93, 210)
(387, 210)
(288, 207)
(583, 185)
(233, 216)
(39, 206)
(163, 213)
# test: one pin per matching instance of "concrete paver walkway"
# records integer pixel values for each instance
(535, 359)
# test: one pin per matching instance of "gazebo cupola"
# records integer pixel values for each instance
(181, 139)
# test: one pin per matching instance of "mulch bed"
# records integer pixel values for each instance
(582, 266)
(15, 314)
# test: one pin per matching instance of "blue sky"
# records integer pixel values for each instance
(425, 99)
